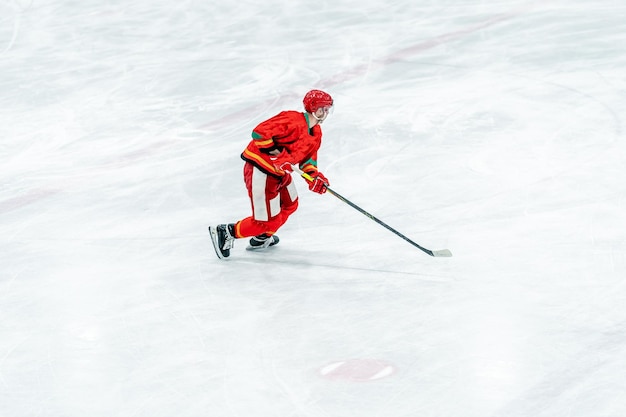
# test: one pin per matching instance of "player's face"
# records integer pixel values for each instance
(323, 112)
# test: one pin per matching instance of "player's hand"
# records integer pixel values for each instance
(282, 162)
(318, 183)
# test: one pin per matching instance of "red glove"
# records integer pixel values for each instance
(319, 183)
(282, 162)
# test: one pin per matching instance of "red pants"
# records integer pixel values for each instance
(273, 201)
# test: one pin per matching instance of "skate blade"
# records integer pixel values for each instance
(216, 245)
(258, 248)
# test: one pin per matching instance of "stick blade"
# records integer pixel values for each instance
(443, 253)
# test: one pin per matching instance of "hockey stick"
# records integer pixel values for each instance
(436, 253)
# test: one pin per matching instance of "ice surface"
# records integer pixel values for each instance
(493, 129)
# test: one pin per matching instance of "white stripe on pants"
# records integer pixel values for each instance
(262, 208)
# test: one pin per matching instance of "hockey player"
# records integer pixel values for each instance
(289, 138)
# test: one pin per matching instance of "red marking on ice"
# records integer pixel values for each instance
(357, 370)
(24, 200)
(420, 47)
(362, 69)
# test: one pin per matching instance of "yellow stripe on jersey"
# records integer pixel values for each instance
(258, 159)
(264, 143)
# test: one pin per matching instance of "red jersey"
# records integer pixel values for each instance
(288, 131)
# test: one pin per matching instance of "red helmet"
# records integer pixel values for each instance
(315, 99)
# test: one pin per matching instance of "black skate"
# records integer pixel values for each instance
(223, 239)
(263, 241)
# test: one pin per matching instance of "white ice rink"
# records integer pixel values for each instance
(493, 129)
